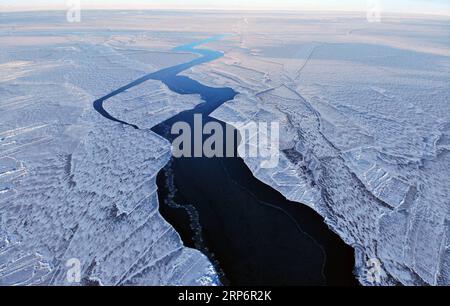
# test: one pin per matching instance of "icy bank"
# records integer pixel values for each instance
(364, 130)
(75, 187)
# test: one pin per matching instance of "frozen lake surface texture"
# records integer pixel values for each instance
(364, 115)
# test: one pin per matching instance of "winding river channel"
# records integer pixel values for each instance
(249, 231)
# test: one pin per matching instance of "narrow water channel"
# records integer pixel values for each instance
(251, 233)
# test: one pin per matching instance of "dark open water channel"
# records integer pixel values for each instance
(252, 234)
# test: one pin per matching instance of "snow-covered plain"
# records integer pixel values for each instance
(364, 111)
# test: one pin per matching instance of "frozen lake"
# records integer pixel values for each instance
(363, 109)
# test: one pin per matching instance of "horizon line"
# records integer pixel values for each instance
(7, 9)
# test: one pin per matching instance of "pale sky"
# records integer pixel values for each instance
(441, 7)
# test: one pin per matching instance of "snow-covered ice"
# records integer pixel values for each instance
(74, 185)
(364, 113)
